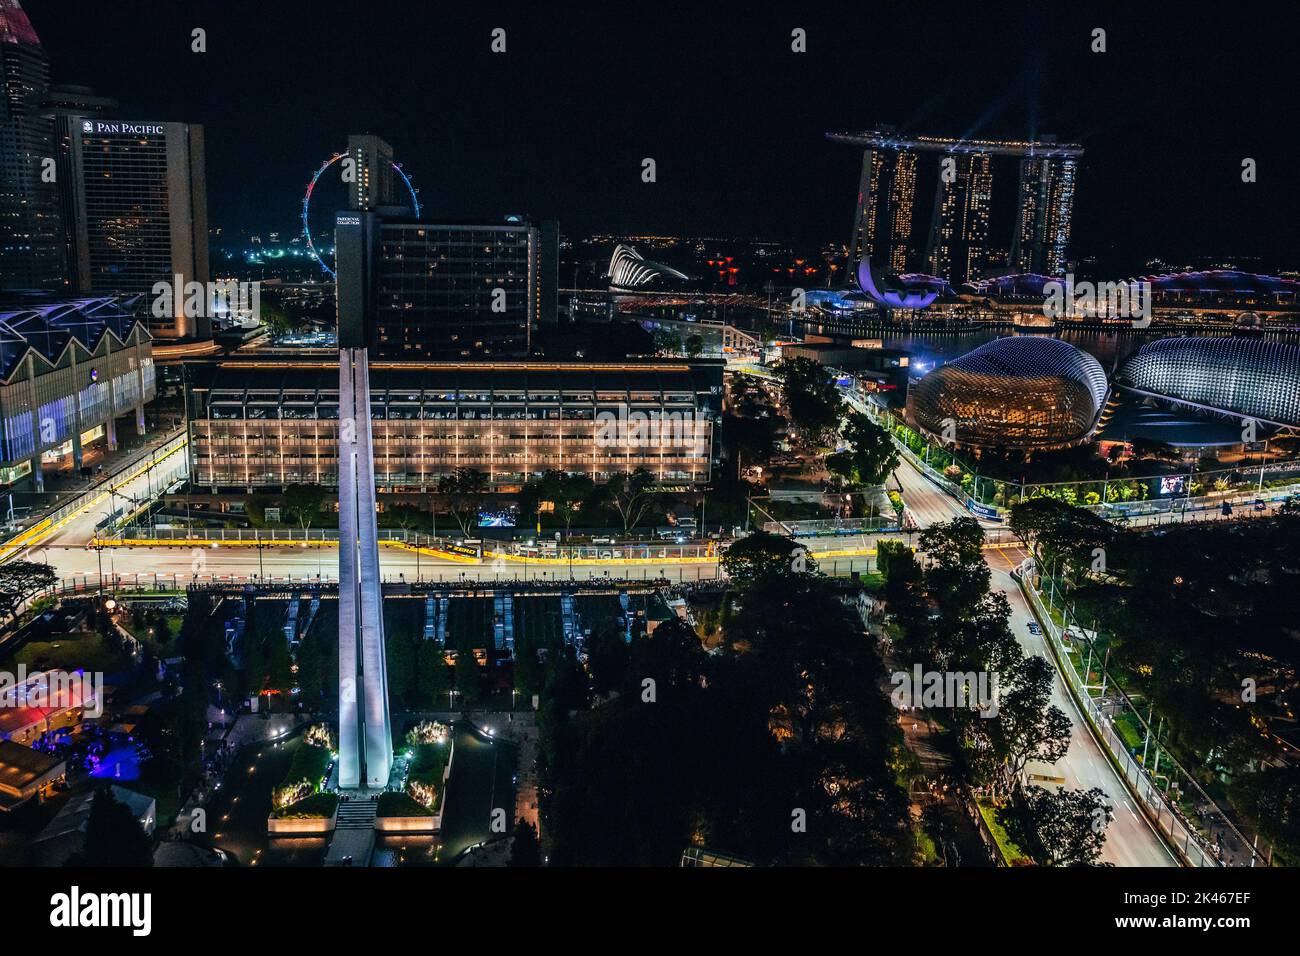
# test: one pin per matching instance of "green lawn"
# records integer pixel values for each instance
(310, 764)
(393, 804)
(1009, 849)
(317, 805)
(1129, 729)
(428, 762)
(88, 651)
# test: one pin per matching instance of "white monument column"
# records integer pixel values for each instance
(365, 734)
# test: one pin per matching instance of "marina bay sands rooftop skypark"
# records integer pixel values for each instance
(927, 203)
(885, 138)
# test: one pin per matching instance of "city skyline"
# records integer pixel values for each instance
(516, 438)
(720, 135)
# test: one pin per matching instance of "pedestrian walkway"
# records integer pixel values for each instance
(357, 813)
(353, 840)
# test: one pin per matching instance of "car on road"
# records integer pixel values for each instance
(1034, 628)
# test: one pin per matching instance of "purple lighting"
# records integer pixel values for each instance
(903, 300)
(120, 763)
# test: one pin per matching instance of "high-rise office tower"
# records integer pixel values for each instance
(902, 196)
(887, 228)
(31, 247)
(140, 213)
(68, 107)
(450, 290)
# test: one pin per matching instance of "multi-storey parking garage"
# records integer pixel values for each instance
(270, 424)
(1018, 392)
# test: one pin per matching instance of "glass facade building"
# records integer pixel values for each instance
(140, 212)
(1253, 378)
(441, 290)
(1017, 392)
(451, 290)
(1043, 214)
(31, 246)
(68, 371)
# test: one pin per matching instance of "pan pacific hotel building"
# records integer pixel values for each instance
(452, 311)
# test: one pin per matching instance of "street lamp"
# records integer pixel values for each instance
(99, 553)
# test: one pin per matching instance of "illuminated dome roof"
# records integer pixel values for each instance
(1022, 285)
(1215, 283)
(629, 270)
(1250, 377)
(1016, 392)
(1221, 280)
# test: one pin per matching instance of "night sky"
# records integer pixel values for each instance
(558, 125)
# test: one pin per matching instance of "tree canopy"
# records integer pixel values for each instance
(464, 490)
(631, 495)
(762, 556)
(19, 580)
(871, 454)
(114, 836)
(812, 399)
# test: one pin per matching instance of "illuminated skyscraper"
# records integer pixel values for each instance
(137, 197)
(887, 229)
(68, 107)
(1043, 214)
(31, 246)
(959, 229)
(373, 185)
(902, 196)
(882, 223)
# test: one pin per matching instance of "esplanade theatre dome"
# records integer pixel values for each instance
(1250, 377)
(1016, 392)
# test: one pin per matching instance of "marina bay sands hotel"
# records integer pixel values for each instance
(960, 238)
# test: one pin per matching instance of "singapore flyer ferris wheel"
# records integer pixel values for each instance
(306, 206)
